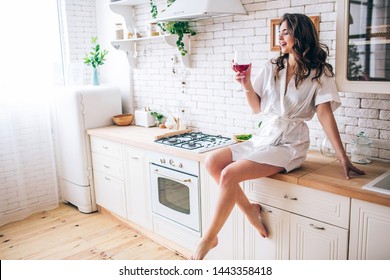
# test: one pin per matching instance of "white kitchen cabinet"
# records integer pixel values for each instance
(110, 193)
(303, 223)
(369, 232)
(137, 188)
(108, 175)
(121, 181)
(129, 46)
(230, 239)
(319, 205)
(106, 147)
(314, 240)
(276, 245)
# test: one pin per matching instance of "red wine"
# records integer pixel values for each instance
(241, 67)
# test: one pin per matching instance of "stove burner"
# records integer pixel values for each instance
(196, 135)
(171, 141)
(196, 141)
(191, 143)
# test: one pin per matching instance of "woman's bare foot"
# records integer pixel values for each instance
(203, 248)
(255, 219)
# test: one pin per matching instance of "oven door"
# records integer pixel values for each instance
(175, 196)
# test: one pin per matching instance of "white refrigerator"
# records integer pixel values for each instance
(77, 110)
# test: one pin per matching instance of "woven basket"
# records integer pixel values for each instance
(123, 120)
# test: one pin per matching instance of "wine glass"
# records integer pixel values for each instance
(241, 63)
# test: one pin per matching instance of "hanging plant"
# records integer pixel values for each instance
(173, 27)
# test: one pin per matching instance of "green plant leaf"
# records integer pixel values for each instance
(173, 27)
(97, 56)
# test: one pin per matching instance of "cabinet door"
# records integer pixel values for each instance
(370, 231)
(313, 240)
(276, 245)
(137, 188)
(110, 193)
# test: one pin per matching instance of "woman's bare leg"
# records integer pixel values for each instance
(230, 193)
(215, 164)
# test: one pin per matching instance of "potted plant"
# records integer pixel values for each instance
(174, 27)
(158, 117)
(95, 58)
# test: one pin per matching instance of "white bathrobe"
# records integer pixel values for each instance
(283, 137)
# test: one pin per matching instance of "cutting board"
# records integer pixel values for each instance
(172, 133)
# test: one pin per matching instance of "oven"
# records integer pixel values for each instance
(175, 190)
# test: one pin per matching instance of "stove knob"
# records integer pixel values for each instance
(162, 160)
(180, 165)
(171, 162)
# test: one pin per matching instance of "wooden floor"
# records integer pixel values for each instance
(65, 233)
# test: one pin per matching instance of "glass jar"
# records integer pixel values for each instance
(119, 31)
(152, 29)
(131, 31)
(327, 149)
(361, 149)
(170, 123)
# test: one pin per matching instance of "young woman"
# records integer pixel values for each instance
(288, 90)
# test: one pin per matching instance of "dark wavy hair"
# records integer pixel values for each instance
(310, 54)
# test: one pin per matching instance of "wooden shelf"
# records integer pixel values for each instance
(171, 40)
(142, 38)
(130, 45)
(126, 10)
(129, 2)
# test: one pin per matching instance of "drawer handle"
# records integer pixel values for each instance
(107, 178)
(106, 166)
(133, 157)
(265, 211)
(290, 198)
(105, 147)
(316, 227)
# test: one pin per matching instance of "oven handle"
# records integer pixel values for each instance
(172, 178)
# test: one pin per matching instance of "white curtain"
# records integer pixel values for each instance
(29, 65)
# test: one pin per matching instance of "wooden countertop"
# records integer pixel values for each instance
(317, 172)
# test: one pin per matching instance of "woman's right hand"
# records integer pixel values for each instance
(243, 77)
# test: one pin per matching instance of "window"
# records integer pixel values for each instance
(363, 46)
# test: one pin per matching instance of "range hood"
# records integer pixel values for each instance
(183, 10)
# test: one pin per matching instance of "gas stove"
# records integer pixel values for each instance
(197, 142)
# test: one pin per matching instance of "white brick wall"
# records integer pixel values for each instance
(79, 24)
(210, 99)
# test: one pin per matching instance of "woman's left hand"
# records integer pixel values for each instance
(348, 167)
